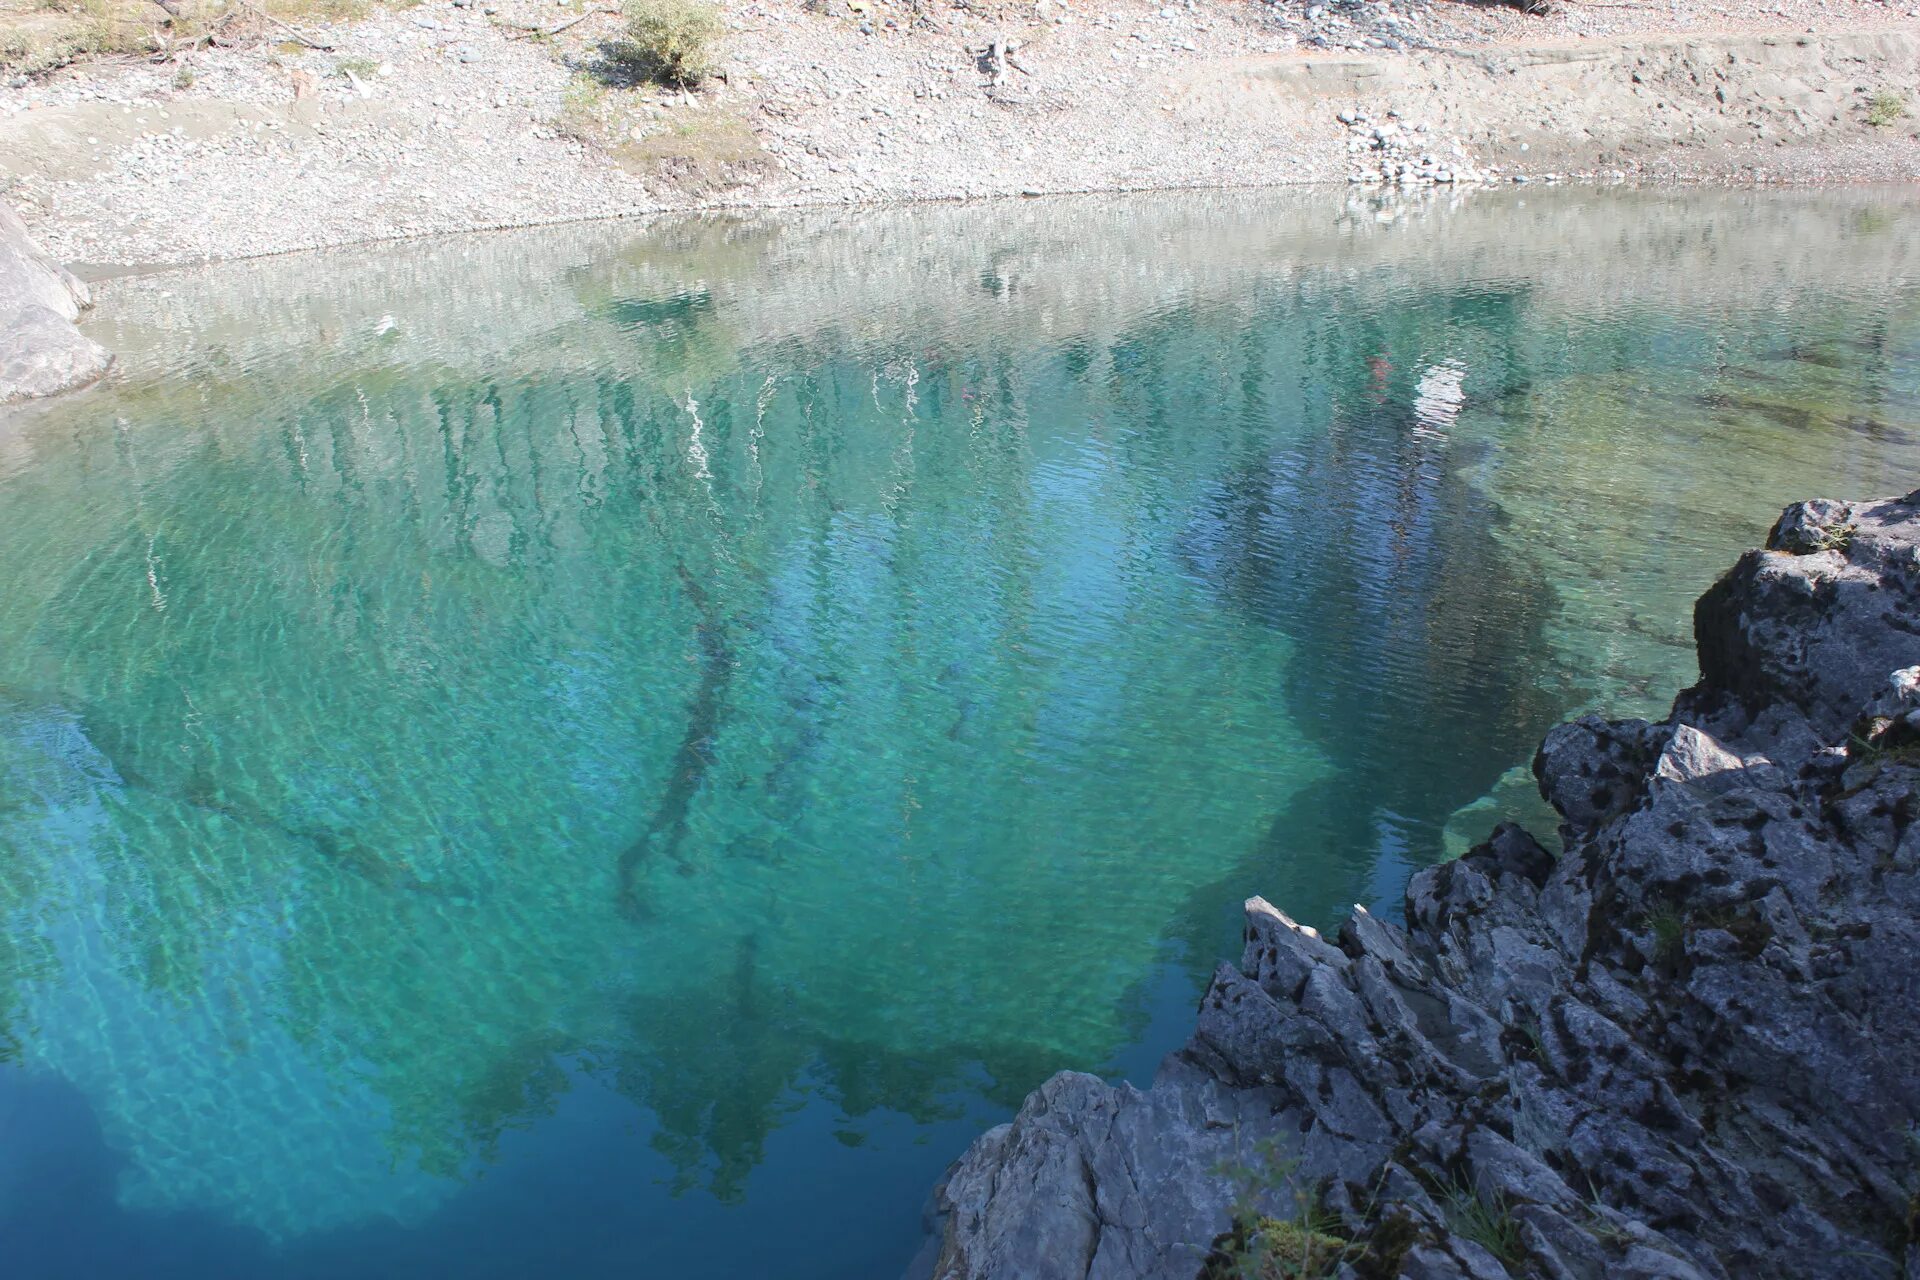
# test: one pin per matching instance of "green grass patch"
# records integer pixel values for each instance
(1885, 107)
(1669, 929)
(1488, 1223)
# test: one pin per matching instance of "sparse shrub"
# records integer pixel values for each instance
(1258, 1246)
(1833, 538)
(584, 113)
(183, 78)
(1881, 746)
(363, 68)
(673, 41)
(1533, 1046)
(111, 28)
(1885, 107)
(1489, 1225)
(1277, 1249)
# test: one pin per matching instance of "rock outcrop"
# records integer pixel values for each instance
(41, 352)
(1686, 1046)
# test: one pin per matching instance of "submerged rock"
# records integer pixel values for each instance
(1686, 1046)
(41, 352)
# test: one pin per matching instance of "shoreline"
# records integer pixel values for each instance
(462, 127)
(97, 272)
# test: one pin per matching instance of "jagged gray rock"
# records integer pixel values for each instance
(1129, 1176)
(1687, 1047)
(41, 352)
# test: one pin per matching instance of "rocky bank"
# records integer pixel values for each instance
(1683, 1041)
(41, 352)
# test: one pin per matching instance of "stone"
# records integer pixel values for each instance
(1686, 1047)
(29, 277)
(42, 353)
(1804, 631)
(1593, 770)
(1138, 1180)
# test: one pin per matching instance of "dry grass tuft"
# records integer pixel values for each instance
(37, 36)
(695, 148)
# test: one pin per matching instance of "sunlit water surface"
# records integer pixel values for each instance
(614, 752)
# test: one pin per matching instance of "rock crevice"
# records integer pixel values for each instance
(1686, 1045)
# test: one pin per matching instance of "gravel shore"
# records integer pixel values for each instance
(455, 116)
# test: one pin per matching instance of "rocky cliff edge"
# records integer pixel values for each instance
(1686, 1045)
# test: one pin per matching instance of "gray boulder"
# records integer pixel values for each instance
(43, 354)
(41, 351)
(1685, 1045)
(1118, 1182)
(1799, 631)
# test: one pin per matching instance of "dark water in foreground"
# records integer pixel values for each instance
(615, 753)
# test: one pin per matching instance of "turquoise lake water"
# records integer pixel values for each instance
(616, 751)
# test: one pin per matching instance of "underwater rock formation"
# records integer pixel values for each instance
(41, 353)
(1686, 1046)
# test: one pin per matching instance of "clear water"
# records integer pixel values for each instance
(616, 751)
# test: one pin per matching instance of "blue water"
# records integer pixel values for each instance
(617, 751)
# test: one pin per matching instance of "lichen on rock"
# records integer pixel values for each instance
(1687, 1045)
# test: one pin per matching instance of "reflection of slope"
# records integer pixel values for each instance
(211, 1099)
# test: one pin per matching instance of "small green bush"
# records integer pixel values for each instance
(1259, 1247)
(1885, 107)
(673, 40)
